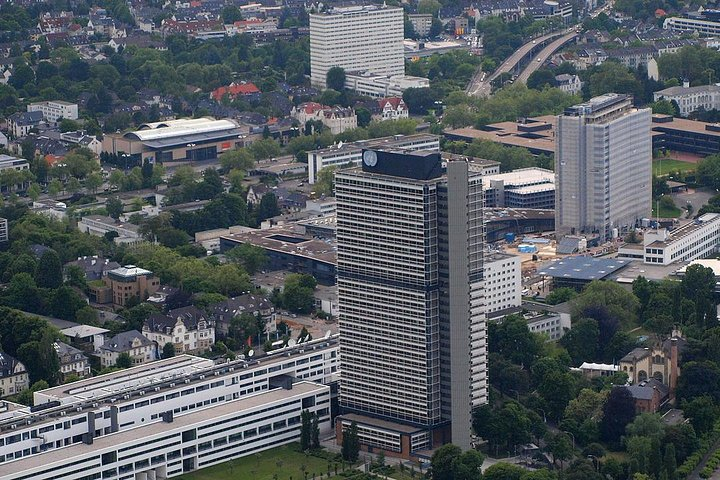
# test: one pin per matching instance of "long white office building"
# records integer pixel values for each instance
(350, 154)
(165, 418)
(702, 26)
(357, 39)
(697, 239)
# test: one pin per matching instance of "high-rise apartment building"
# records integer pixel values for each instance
(358, 39)
(603, 166)
(410, 242)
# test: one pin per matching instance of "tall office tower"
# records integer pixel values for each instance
(358, 39)
(413, 354)
(603, 167)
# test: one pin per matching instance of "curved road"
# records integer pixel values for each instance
(544, 55)
(480, 84)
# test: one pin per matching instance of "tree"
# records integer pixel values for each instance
(305, 430)
(230, 14)
(49, 270)
(123, 361)
(114, 207)
(251, 257)
(240, 159)
(265, 148)
(560, 295)
(443, 460)
(298, 296)
(314, 432)
(664, 107)
(351, 443)
(702, 413)
(335, 79)
(93, 181)
(87, 316)
(168, 350)
(560, 447)
(581, 341)
(619, 410)
(503, 471)
(65, 302)
(646, 425)
(54, 187)
(619, 302)
(539, 79)
(268, 207)
(33, 192)
(670, 462)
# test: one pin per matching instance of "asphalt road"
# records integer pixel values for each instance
(480, 84)
(544, 55)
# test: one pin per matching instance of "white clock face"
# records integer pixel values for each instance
(370, 158)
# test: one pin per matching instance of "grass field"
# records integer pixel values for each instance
(285, 462)
(665, 212)
(665, 166)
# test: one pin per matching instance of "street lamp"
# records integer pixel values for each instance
(125, 157)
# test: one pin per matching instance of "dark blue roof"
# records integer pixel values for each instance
(584, 268)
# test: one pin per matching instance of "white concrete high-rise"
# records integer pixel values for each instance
(358, 39)
(603, 167)
(412, 315)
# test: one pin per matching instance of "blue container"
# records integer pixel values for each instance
(510, 237)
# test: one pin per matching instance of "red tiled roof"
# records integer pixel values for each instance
(393, 101)
(235, 89)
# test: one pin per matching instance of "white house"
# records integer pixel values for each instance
(13, 376)
(186, 328)
(569, 83)
(392, 108)
(336, 119)
(134, 343)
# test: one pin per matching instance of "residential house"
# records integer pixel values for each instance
(187, 328)
(569, 83)
(99, 225)
(135, 344)
(223, 312)
(336, 119)
(649, 395)
(120, 285)
(255, 193)
(13, 376)
(20, 123)
(161, 294)
(392, 108)
(72, 361)
(632, 57)
(94, 267)
(245, 90)
(87, 338)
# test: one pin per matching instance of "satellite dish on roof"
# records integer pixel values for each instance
(251, 353)
(292, 342)
(327, 334)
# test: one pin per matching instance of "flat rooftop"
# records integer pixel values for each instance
(583, 268)
(500, 214)
(128, 379)
(535, 133)
(154, 429)
(523, 177)
(683, 124)
(683, 231)
(396, 141)
(286, 240)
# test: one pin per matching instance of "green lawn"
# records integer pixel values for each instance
(666, 212)
(284, 461)
(665, 166)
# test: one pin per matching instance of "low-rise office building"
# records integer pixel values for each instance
(683, 135)
(503, 286)
(576, 272)
(350, 154)
(290, 251)
(8, 162)
(523, 188)
(697, 239)
(174, 140)
(380, 86)
(87, 416)
(99, 225)
(552, 321)
(124, 283)
(55, 110)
